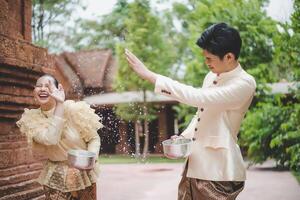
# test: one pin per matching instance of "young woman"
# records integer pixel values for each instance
(56, 127)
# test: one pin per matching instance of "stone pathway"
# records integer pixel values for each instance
(160, 181)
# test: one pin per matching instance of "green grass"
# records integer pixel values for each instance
(126, 159)
(297, 175)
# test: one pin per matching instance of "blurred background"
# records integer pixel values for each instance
(81, 42)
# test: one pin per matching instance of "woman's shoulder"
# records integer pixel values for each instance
(81, 114)
(30, 116)
(77, 107)
(31, 112)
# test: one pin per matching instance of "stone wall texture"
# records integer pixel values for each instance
(21, 63)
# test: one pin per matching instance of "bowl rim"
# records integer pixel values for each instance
(189, 141)
(77, 153)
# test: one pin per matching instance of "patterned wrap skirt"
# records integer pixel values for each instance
(88, 193)
(197, 189)
(62, 182)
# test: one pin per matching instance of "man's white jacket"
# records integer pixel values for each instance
(222, 103)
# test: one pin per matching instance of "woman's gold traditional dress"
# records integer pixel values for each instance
(53, 136)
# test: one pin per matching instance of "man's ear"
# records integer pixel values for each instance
(230, 56)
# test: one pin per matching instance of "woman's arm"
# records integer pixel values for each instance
(50, 135)
(94, 144)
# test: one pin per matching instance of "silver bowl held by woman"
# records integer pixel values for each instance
(81, 159)
(177, 148)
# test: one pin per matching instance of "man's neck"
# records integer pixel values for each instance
(232, 66)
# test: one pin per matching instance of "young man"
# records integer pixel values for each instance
(215, 169)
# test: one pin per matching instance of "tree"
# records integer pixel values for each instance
(49, 19)
(145, 37)
(104, 32)
(287, 50)
(271, 129)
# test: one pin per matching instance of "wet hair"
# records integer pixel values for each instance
(220, 39)
(53, 78)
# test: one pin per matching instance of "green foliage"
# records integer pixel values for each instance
(145, 38)
(287, 51)
(272, 130)
(272, 127)
(103, 32)
(49, 19)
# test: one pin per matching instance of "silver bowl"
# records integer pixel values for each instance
(81, 159)
(177, 148)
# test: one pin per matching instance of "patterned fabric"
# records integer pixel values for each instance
(88, 193)
(197, 189)
(61, 177)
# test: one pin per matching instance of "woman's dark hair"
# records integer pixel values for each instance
(220, 39)
(53, 78)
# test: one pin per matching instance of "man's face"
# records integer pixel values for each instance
(214, 63)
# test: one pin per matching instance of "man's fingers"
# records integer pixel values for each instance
(127, 51)
(173, 137)
(130, 61)
(131, 55)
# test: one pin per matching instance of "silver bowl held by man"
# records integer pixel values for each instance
(81, 159)
(177, 148)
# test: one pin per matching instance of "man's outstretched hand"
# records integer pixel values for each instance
(139, 67)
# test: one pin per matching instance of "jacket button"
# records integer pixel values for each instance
(196, 129)
(215, 82)
(198, 119)
(202, 109)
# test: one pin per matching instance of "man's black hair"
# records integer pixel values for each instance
(220, 39)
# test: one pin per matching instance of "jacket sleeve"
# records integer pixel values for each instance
(232, 95)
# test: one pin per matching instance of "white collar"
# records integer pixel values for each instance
(231, 73)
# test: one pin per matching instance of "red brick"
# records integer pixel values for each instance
(27, 20)
(20, 169)
(16, 91)
(21, 63)
(13, 157)
(7, 47)
(35, 192)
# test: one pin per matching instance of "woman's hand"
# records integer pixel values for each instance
(57, 93)
(139, 67)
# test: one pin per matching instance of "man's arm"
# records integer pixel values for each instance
(232, 95)
(229, 96)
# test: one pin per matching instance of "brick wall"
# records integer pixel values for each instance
(21, 63)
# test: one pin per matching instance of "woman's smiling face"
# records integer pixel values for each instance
(42, 91)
